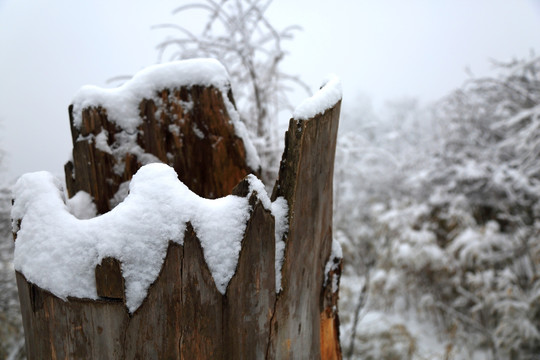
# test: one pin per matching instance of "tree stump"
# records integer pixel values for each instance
(184, 315)
(199, 142)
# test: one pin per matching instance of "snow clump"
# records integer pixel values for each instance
(59, 252)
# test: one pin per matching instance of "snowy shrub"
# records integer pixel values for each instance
(11, 331)
(446, 214)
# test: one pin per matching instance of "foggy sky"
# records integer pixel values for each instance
(386, 49)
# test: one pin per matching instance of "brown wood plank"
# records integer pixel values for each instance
(154, 330)
(109, 279)
(250, 297)
(305, 180)
(202, 306)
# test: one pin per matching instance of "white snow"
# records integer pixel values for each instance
(122, 103)
(120, 195)
(332, 264)
(385, 334)
(197, 131)
(280, 211)
(174, 129)
(256, 185)
(328, 95)
(82, 206)
(101, 142)
(506, 124)
(252, 157)
(59, 252)
(126, 143)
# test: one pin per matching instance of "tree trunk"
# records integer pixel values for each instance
(184, 316)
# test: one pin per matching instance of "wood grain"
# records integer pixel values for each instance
(184, 316)
(190, 129)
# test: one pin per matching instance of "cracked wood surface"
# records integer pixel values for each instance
(189, 128)
(184, 316)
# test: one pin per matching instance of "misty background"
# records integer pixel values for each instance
(437, 178)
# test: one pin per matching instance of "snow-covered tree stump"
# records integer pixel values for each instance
(164, 271)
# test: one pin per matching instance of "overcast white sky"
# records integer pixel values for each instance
(384, 48)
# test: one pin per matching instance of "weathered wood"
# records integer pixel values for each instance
(305, 180)
(251, 293)
(188, 128)
(330, 345)
(109, 279)
(156, 327)
(73, 329)
(202, 319)
(184, 316)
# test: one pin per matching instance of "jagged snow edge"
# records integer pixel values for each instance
(328, 95)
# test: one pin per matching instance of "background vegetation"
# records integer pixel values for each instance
(436, 207)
